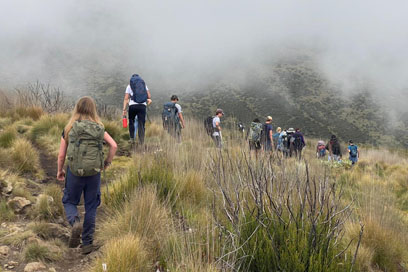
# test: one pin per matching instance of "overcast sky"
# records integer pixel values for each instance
(63, 41)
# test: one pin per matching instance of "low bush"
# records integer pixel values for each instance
(126, 253)
(47, 206)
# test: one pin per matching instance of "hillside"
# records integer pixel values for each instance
(292, 90)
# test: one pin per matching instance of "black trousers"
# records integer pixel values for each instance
(138, 110)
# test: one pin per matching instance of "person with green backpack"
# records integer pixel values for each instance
(254, 136)
(82, 147)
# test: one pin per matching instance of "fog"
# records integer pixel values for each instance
(183, 44)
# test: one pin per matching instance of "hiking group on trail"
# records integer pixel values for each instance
(82, 141)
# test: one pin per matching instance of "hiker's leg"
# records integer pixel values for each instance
(92, 198)
(141, 120)
(132, 114)
(72, 196)
(136, 126)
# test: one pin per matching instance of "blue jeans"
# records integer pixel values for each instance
(90, 186)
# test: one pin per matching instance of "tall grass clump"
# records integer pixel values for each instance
(24, 156)
(6, 214)
(41, 251)
(143, 215)
(114, 129)
(7, 137)
(124, 254)
(279, 217)
(49, 124)
(33, 112)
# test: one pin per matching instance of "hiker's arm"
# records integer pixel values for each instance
(217, 125)
(149, 98)
(181, 119)
(125, 103)
(112, 147)
(61, 159)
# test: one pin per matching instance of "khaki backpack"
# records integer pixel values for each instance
(85, 148)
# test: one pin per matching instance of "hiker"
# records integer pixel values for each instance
(267, 133)
(283, 143)
(289, 142)
(241, 129)
(334, 149)
(254, 136)
(172, 117)
(320, 149)
(137, 95)
(82, 144)
(216, 127)
(298, 143)
(276, 138)
(354, 153)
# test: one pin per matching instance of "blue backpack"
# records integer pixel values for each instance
(170, 115)
(138, 87)
(353, 151)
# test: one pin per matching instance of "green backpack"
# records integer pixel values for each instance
(255, 132)
(85, 148)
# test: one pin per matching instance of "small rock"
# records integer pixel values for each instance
(8, 188)
(52, 269)
(4, 250)
(34, 267)
(18, 203)
(3, 225)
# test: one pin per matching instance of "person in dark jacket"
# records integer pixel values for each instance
(334, 149)
(297, 143)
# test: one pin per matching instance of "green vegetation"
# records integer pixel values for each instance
(6, 214)
(7, 137)
(39, 251)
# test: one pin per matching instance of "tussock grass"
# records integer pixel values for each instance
(17, 239)
(49, 205)
(6, 214)
(7, 137)
(49, 124)
(143, 215)
(25, 157)
(29, 112)
(114, 129)
(126, 253)
(5, 122)
(43, 251)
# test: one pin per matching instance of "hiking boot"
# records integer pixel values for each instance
(86, 249)
(74, 239)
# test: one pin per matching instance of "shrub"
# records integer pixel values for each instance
(17, 239)
(24, 156)
(7, 137)
(124, 254)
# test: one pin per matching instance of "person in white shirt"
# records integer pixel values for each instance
(217, 136)
(137, 95)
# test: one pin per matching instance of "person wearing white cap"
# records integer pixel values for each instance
(217, 136)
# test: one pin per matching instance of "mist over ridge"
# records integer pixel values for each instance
(185, 45)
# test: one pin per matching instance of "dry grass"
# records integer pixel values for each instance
(124, 254)
(25, 157)
(143, 215)
(29, 112)
(7, 137)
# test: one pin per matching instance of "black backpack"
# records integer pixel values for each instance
(336, 148)
(208, 125)
(297, 141)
